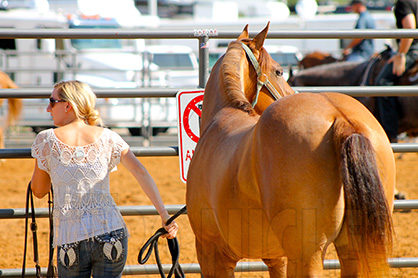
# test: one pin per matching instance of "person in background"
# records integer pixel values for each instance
(387, 107)
(359, 49)
(77, 157)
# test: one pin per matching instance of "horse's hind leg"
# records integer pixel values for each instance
(347, 256)
(308, 265)
(214, 263)
(277, 267)
(351, 265)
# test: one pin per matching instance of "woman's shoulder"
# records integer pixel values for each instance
(115, 139)
(113, 135)
(44, 134)
(42, 140)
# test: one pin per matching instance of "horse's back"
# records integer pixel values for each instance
(307, 112)
(315, 117)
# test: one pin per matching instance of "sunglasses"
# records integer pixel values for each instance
(52, 101)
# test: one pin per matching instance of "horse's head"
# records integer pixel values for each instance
(265, 82)
(250, 79)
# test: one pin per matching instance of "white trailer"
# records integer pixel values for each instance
(101, 63)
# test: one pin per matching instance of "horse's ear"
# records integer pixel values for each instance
(259, 39)
(244, 34)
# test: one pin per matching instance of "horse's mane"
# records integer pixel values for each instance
(231, 75)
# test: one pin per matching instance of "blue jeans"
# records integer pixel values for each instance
(388, 107)
(102, 256)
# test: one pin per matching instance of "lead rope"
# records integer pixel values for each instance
(173, 246)
(52, 270)
(33, 227)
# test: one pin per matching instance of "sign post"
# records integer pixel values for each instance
(189, 104)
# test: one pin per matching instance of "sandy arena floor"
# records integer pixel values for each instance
(15, 174)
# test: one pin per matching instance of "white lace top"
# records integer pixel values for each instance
(83, 206)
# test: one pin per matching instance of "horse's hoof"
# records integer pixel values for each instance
(400, 196)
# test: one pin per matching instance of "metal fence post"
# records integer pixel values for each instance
(203, 61)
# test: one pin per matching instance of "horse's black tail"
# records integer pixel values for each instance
(367, 212)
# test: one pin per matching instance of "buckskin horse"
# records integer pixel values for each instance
(15, 105)
(282, 180)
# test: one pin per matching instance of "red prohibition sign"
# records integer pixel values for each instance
(191, 106)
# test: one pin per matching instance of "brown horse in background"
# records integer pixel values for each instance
(15, 105)
(316, 58)
(282, 180)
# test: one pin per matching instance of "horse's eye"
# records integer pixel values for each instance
(279, 72)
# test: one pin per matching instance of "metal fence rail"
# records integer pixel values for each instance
(355, 91)
(173, 151)
(195, 268)
(18, 213)
(220, 34)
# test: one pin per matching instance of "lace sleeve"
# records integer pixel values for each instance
(41, 151)
(118, 145)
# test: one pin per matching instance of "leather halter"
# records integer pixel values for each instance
(262, 79)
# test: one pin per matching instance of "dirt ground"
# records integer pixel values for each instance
(15, 174)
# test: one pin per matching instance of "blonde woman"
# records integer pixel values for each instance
(77, 158)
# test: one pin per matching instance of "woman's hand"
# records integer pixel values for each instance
(398, 64)
(171, 229)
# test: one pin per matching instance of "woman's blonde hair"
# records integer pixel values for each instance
(82, 99)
